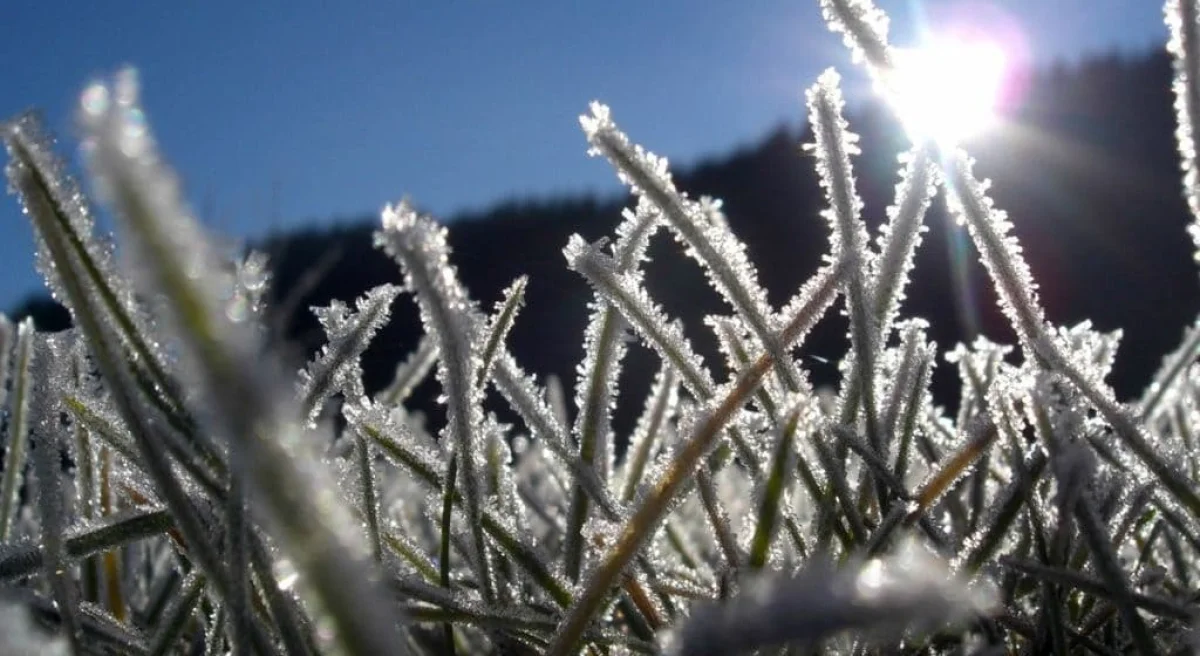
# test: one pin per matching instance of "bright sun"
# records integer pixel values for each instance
(948, 89)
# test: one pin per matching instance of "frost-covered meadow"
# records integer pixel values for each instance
(160, 495)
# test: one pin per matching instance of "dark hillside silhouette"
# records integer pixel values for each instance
(1088, 172)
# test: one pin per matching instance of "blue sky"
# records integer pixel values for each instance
(295, 112)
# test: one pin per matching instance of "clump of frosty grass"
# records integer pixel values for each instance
(209, 508)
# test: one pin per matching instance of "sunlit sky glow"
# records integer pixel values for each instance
(947, 89)
(281, 113)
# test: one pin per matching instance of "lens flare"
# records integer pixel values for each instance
(947, 90)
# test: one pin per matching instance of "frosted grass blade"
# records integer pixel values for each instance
(1173, 368)
(1083, 582)
(718, 521)
(419, 246)
(237, 597)
(1104, 559)
(444, 553)
(498, 328)
(173, 622)
(368, 492)
(978, 438)
(523, 394)
(722, 256)
(737, 355)
(839, 490)
(244, 406)
(864, 29)
(901, 236)
(41, 207)
(45, 367)
(1183, 21)
(834, 145)
(336, 368)
(604, 351)
(773, 488)
(39, 177)
(23, 559)
(1000, 251)
(992, 531)
(659, 410)
(18, 428)
(645, 316)
(910, 416)
(425, 467)
(648, 515)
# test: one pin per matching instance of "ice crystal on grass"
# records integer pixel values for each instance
(337, 368)
(33, 163)
(863, 26)
(201, 507)
(643, 314)
(901, 236)
(420, 247)
(698, 225)
(1000, 251)
(1183, 21)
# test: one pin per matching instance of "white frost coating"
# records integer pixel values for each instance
(525, 397)
(30, 148)
(34, 168)
(128, 173)
(833, 148)
(656, 568)
(52, 353)
(604, 349)
(419, 246)
(1000, 251)
(173, 260)
(652, 426)
(605, 346)
(1170, 382)
(337, 367)
(901, 236)
(246, 298)
(529, 400)
(1092, 351)
(498, 326)
(646, 317)
(700, 228)
(864, 30)
(978, 365)
(397, 441)
(1184, 46)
